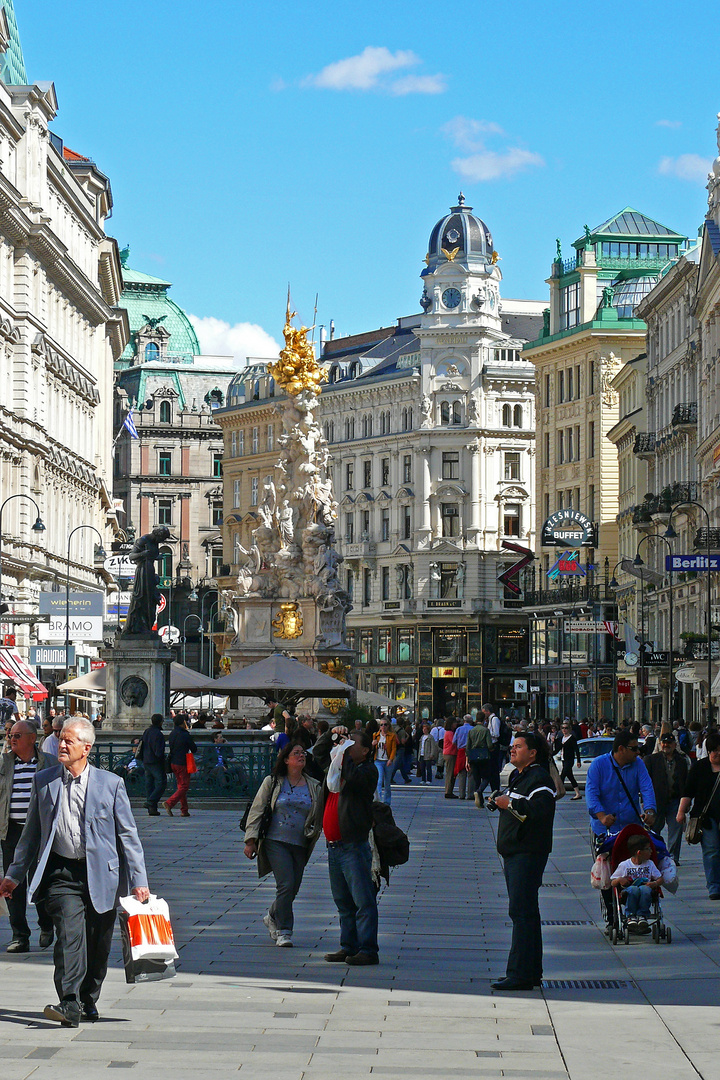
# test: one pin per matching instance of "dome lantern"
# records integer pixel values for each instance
(460, 237)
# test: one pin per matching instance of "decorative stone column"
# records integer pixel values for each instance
(475, 528)
(425, 530)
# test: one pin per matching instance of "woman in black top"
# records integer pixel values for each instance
(181, 744)
(566, 744)
(702, 788)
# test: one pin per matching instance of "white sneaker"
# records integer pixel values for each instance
(271, 927)
(283, 941)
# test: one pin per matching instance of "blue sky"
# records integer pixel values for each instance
(252, 145)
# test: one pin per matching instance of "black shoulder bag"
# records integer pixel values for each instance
(693, 829)
(267, 814)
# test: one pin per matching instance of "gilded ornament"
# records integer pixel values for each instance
(288, 623)
(225, 665)
(339, 670)
(297, 369)
(450, 255)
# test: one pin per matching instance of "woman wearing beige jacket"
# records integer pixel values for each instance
(295, 800)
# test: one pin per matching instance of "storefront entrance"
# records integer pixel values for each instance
(449, 697)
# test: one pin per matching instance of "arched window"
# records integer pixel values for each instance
(152, 351)
(518, 416)
(457, 413)
(404, 419)
(445, 412)
(165, 412)
(506, 416)
(271, 387)
(350, 428)
(331, 431)
(256, 390)
(410, 419)
(367, 427)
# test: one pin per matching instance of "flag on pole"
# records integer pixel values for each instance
(129, 425)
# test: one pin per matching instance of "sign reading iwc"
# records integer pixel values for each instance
(568, 527)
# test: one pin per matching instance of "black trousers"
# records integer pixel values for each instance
(83, 935)
(155, 784)
(523, 876)
(17, 903)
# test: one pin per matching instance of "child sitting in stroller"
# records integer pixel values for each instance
(640, 879)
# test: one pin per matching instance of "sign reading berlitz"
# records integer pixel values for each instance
(568, 526)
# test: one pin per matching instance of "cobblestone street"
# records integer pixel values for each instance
(240, 1005)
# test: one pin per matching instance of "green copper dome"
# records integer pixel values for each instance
(145, 298)
(12, 63)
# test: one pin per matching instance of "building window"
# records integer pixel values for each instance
(270, 436)
(511, 519)
(561, 446)
(350, 585)
(591, 439)
(255, 440)
(385, 471)
(577, 442)
(349, 528)
(349, 476)
(451, 465)
(570, 306)
(445, 412)
(385, 584)
(577, 380)
(233, 444)
(165, 412)
(365, 525)
(450, 519)
(407, 522)
(384, 646)
(367, 427)
(152, 351)
(241, 443)
(367, 587)
(366, 646)
(591, 377)
(569, 384)
(506, 416)
(560, 387)
(216, 562)
(407, 468)
(165, 463)
(546, 498)
(406, 646)
(165, 567)
(518, 416)
(512, 465)
(164, 516)
(385, 526)
(350, 638)
(569, 440)
(547, 391)
(236, 492)
(216, 514)
(448, 581)
(546, 461)
(217, 469)
(254, 491)
(367, 474)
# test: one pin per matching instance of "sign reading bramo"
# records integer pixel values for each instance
(568, 527)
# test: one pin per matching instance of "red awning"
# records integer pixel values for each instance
(13, 667)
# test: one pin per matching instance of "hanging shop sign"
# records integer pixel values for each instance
(624, 686)
(568, 526)
(692, 562)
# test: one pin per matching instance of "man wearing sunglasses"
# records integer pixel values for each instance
(618, 792)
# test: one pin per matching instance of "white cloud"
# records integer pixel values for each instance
(483, 162)
(668, 123)
(690, 167)
(370, 70)
(218, 338)
(277, 85)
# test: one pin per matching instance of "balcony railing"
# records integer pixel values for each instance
(645, 443)
(606, 262)
(707, 538)
(570, 594)
(685, 414)
(682, 492)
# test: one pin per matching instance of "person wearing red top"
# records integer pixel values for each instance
(449, 752)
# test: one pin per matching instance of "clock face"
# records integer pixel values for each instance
(451, 298)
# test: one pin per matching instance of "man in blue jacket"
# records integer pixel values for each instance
(617, 783)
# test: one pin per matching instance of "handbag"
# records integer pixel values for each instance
(190, 763)
(557, 781)
(265, 818)
(147, 939)
(693, 829)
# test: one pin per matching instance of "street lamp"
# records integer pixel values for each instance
(38, 527)
(100, 552)
(638, 562)
(205, 595)
(613, 584)
(192, 615)
(670, 534)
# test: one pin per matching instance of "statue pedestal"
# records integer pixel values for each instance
(137, 682)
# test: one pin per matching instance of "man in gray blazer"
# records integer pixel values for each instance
(81, 830)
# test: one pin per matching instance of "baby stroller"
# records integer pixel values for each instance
(618, 853)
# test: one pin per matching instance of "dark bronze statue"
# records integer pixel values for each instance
(142, 612)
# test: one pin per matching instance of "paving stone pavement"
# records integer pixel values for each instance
(241, 1006)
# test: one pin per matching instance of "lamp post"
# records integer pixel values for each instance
(101, 554)
(670, 534)
(613, 584)
(38, 527)
(192, 615)
(202, 624)
(639, 563)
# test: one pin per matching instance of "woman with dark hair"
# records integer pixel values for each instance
(295, 799)
(702, 788)
(567, 746)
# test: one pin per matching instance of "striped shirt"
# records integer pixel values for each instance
(22, 785)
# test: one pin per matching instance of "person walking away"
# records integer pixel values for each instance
(567, 745)
(350, 782)
(494, 727)
(449, 758)
(524, 840)
(477, 752)
(427, 755)
(385, 748)
(152, 754)
(403, 756)
(295, 799)
(668, 772)
(459, 742)
(181, 744)
(702, 789)
(80, 830)
(438, 734)
(640, 878)
(17, 770)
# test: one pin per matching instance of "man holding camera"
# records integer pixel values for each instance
(524, 839)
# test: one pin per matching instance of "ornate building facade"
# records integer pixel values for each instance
(430, 426)
(61, 328)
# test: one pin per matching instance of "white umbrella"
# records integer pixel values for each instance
(281, 679)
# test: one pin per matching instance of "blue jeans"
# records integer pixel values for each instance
(638, 899)
(355, 897)
(403, 763)
(155, 782)
(710, 843)
(384, 788)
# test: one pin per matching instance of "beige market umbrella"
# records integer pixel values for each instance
(182, 680)
(279, 678)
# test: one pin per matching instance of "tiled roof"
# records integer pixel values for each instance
(631, 222)
(71, 155)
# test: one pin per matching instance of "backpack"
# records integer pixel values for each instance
(505, 736)
(392, 843)
(7, 710)
(684, 740)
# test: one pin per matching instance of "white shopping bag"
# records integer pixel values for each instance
(147, 939)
